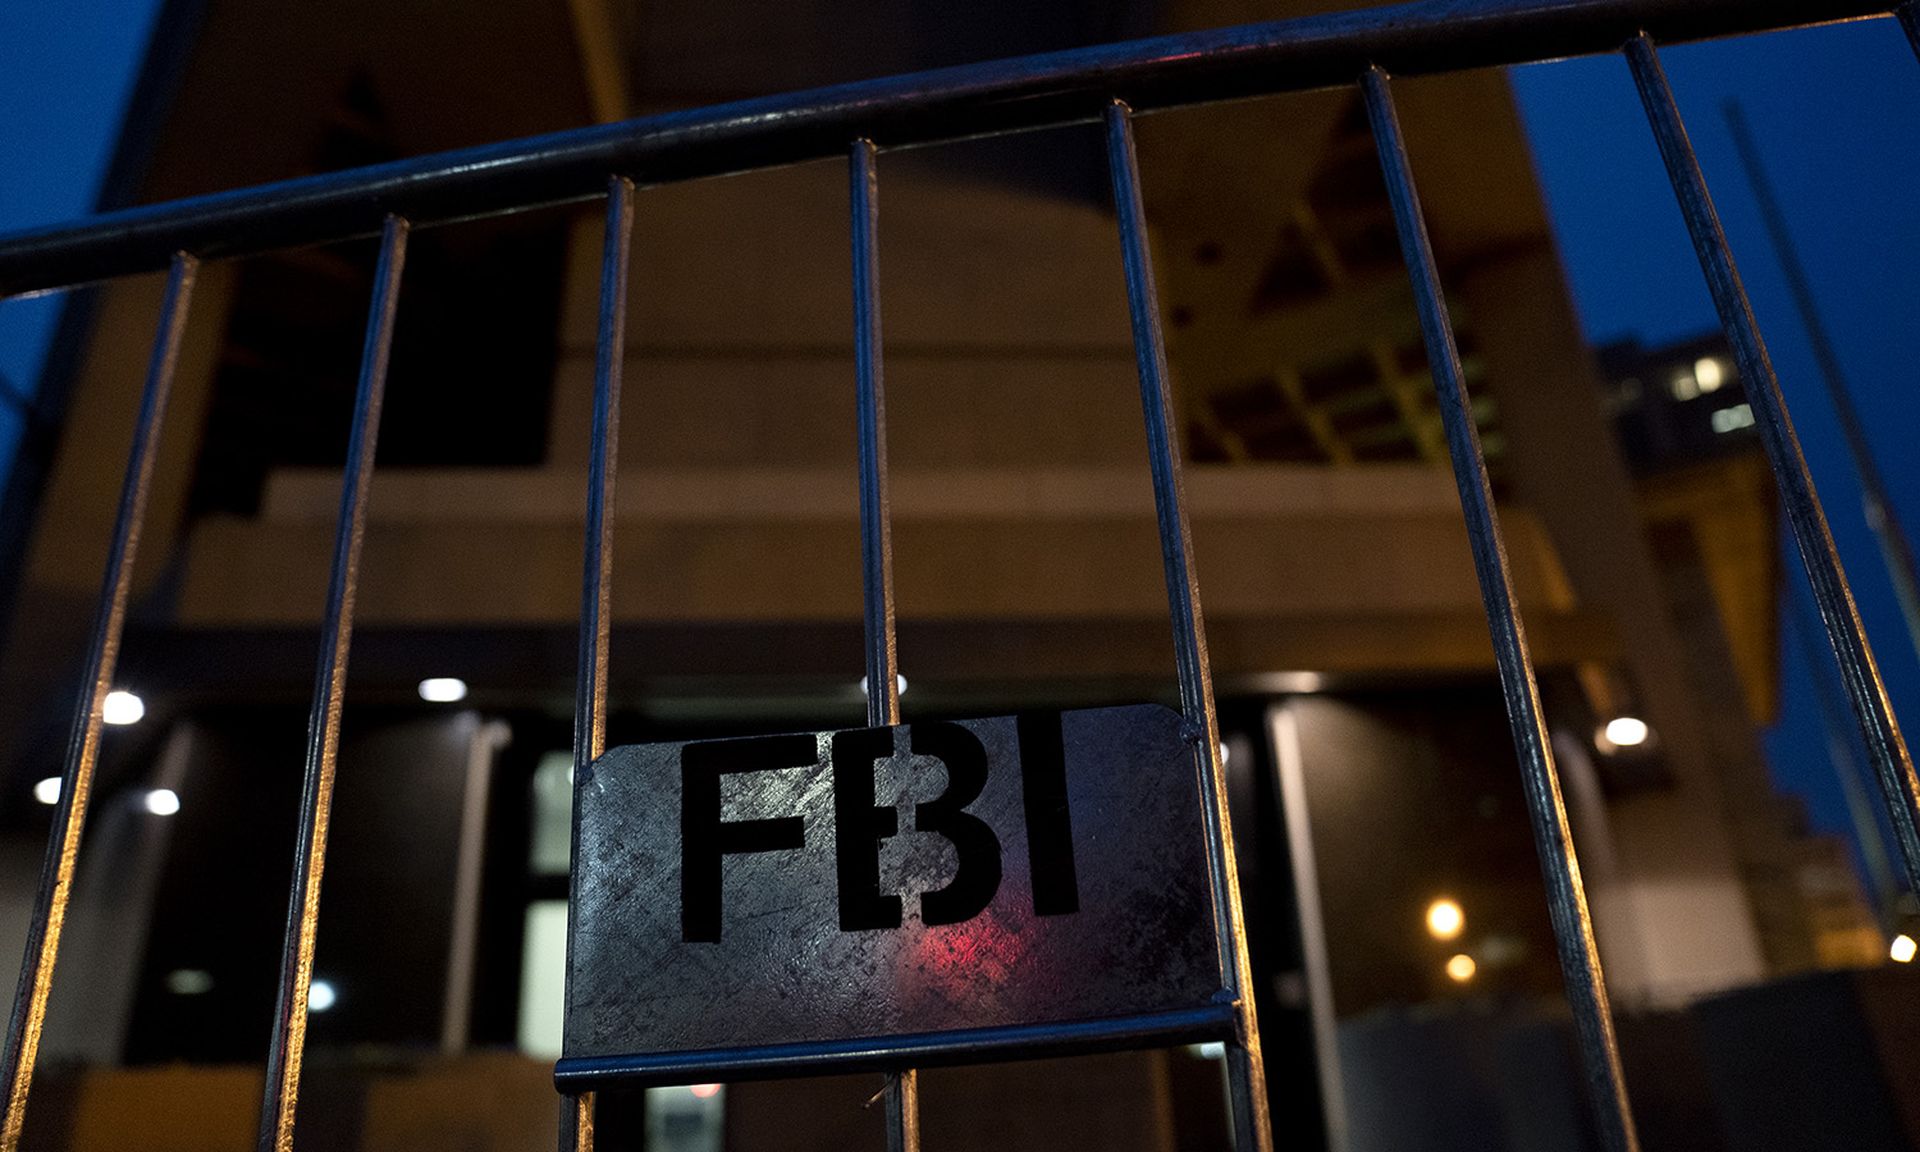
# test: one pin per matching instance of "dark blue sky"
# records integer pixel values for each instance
(1834, 111)
(65, 71)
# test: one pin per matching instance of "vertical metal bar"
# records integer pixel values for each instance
(1909, 14)
(1846, 768)
(596, 616)
(329, 690)
(1858, 670)
(1896, 551)
(1566, 897)
(1246, 1073)
(576, 1122)
(876, 533)
(596, 579)
(903, 1110)
(83, 745)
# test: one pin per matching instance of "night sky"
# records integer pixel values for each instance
(65, 73)
(1834, 111)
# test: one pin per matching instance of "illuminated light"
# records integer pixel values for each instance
(704, 1091)
(1461, 968)
(1903, 949)
(1226, 754)
(1445, 919)
(1627, 731)
(1213, 1050)
(443, 689)
(1709, 373)
(189, 981)
(985, 951)
(321, 996)
(1286, 682)
(1732, 419)
(122, 707)
(47, 791)
(162, 801)
(899, 680)
(1684, 386)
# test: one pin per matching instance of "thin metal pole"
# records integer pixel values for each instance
(329, 690)
(903, 1110)
(1566, 897)
(576, 1122)
(1896, 552)
(1858, 670)
(596, 580)
(993, 96)
(83, 745)
(1909, 14)
(876, 533)
(1246, 1073)
(1846, 767)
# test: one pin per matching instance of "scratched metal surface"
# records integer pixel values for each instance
(784, 972)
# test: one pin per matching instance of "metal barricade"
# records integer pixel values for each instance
(1110, 84)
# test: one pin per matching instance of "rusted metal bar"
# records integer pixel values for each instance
(96, 680)
(596, 580)
(288, 1047)
(576, 1122)
(1566, 897)
(1246, 1073)
(902, 1088)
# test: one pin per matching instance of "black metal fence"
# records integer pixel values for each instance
(1111, 84)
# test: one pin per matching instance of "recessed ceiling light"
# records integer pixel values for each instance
(122, 707)
(443, 689)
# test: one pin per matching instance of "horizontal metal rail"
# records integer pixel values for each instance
(1211, 1023)
(1053, 89)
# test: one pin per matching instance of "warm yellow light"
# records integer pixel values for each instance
(1903, 949)
(1708, 373)
(1445, 919)
(1627, 731)
(1461, 968)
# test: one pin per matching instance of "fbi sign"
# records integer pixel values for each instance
(865, 889)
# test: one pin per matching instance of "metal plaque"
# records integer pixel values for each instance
(929, 878)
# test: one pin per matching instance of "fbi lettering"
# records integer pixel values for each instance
(860, 824)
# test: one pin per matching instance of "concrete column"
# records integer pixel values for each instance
(1676, 866)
